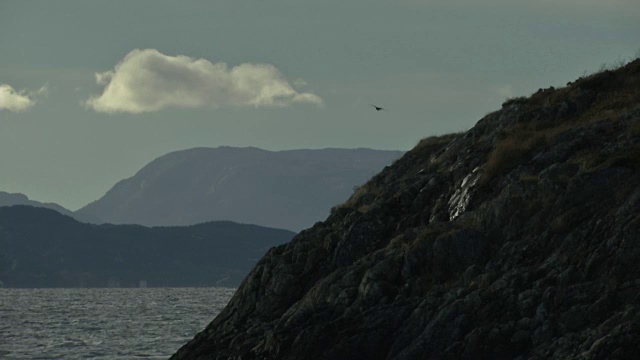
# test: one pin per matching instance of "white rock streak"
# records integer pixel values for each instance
(460, 199)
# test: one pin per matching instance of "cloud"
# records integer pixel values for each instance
(147, 80)
(17, 101)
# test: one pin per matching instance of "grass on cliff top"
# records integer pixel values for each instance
(434, 142)
(615, 93)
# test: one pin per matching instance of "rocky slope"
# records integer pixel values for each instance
(519, 238)
(42, 248)
(283, 189)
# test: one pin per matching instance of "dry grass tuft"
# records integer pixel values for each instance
(511, 151)
(435, 141)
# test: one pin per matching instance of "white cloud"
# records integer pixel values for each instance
(13, 100)
(147, 80)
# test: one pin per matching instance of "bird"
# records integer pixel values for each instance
(378, 108)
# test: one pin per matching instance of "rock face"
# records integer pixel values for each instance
(42, 248)
(283, 189)
(519, 238)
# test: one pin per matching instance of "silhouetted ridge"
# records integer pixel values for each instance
(9, 199)
(516, 239)
(42, 248)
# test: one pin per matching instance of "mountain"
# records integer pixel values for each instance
(10, 199)
(42, 248)
(518, 239)
(283, 189)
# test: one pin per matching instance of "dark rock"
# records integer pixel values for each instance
(540, 262)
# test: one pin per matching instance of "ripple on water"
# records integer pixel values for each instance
(150, 323)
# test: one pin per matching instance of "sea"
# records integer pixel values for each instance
(123, 323)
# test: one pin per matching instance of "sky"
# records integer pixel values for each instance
(91, 91)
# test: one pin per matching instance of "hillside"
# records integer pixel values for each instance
(283, 189)
(10, 199)
(42, 248)
(518, 239)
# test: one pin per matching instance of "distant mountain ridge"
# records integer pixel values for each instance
(42, 248)
(10, 199)
(289, 189)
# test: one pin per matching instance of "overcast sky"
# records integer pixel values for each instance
(91, 91)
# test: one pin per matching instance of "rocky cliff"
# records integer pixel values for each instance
(519, 238)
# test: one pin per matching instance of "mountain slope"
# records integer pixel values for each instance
(284, 189)
(519, 238)
(10, 199)
(42, 248)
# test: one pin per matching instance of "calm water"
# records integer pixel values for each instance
(104, 323)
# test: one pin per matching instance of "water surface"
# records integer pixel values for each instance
(149, 323)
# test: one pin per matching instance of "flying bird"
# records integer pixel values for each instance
(378, 108)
